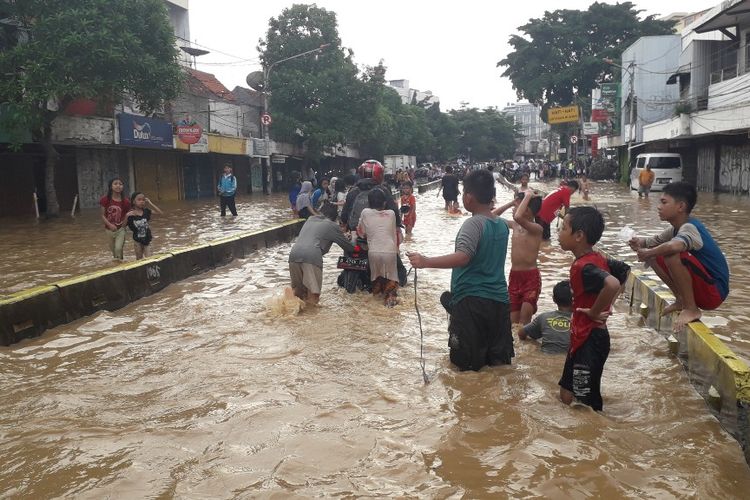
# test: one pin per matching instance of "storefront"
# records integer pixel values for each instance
(156, 169)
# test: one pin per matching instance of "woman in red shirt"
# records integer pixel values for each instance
(114, 207)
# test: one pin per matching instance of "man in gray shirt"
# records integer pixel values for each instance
(306, 257)
(553, 327)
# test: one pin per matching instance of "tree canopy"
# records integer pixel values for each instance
(59, 51)
(559, 57)
(323, 100)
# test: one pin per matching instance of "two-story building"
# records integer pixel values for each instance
(709, 124)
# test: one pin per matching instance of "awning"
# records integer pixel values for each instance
(736, 14)
(684, 70)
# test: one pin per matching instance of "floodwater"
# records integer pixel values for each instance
(37, 252)
(199, 392)
(724, 215)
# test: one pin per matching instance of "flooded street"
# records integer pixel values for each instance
(43, 251)
(200, 392)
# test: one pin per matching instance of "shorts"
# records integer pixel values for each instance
(450, 197)
(644, 190)
(582, 374)
(480, 334)
(308, 276)
(524, 286)
(707, 296)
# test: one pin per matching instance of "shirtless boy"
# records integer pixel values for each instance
(525, 282)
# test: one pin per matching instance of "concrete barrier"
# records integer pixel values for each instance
(718, 374)
(190, 261)
(86, 294)
(148, 276)
(30, 312)
(423, 188)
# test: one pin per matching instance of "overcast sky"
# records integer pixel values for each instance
(451, 50)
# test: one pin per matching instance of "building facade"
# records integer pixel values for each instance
(413, 96)
(710, 120)
(535, 133)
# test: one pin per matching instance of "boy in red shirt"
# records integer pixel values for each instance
(595, 281)
(552, 203)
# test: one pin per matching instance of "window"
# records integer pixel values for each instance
(747, 52)
(664, 162)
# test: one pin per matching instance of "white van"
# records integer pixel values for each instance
(667, 167)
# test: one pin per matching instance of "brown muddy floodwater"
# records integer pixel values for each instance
(199, 392)
(37, 252)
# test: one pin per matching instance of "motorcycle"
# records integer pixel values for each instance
(355, 269)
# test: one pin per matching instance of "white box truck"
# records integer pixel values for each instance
(392, 163)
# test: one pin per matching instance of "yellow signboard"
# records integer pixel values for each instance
(562, 115)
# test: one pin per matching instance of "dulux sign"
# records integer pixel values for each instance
(144, 131)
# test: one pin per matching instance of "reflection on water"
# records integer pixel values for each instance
(200, 392)
(40, 252)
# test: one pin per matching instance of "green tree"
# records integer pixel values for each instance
(487, 134)
(316, 100)
(94, 49)
(559, 57)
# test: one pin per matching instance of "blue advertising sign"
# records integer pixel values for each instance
(144, 131)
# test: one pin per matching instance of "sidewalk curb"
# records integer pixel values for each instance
(28, 313)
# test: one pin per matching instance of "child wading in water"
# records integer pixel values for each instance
(227, 188)
(114, 207)
(408, 206)
(595, 281)
(138, 221)
(685, 256)
(479, 329)
(525, 281)
(378, 224)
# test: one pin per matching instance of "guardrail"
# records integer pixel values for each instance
(29, 313)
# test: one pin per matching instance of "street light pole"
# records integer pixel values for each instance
(266, 78)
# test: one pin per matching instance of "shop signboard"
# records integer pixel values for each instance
(565, 114)
(201, 146)
(144, 131)
(605, 108)
(188, 131)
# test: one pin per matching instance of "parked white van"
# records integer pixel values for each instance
(667, 167)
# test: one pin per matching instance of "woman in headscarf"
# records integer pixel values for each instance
(304, 201)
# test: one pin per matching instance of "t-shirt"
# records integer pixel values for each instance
(379, 226)
(485, 241)
(315, 240)
(450, 186)
(646, 177)
(140, 227)
(115, 210)
(553, 328)
(699, 242)
(553, 202)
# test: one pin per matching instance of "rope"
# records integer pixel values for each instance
(421, 332)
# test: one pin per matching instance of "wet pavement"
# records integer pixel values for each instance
(200, 391)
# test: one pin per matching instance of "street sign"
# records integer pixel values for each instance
(573, 139)
(265, 119)
(562, 115)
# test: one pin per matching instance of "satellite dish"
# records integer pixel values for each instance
(255, 80)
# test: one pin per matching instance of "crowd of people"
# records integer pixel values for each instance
(483, 305)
